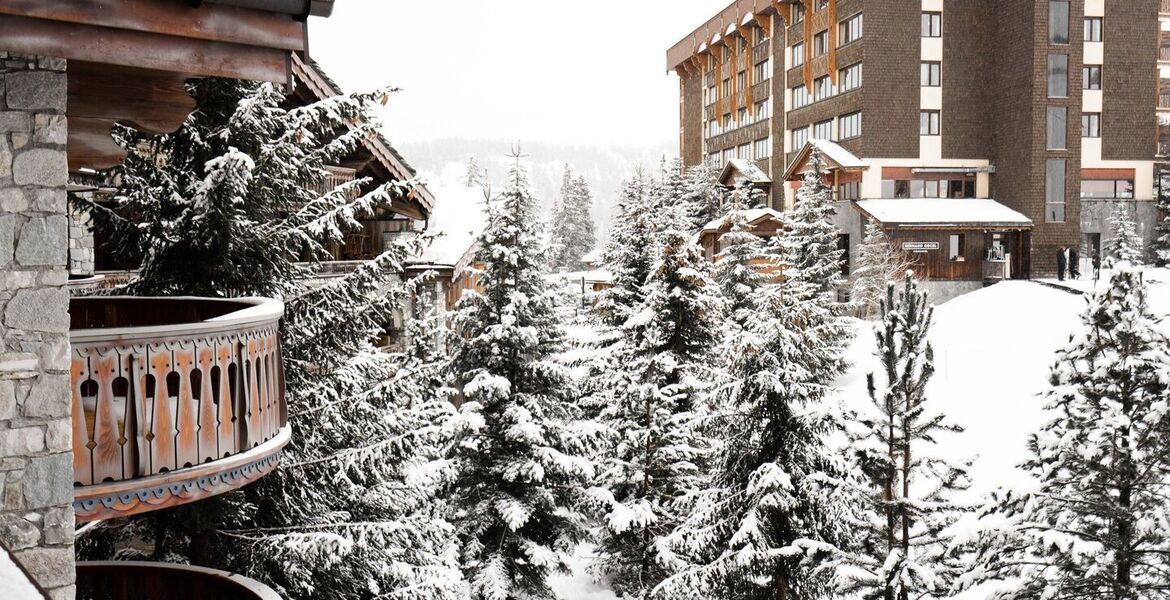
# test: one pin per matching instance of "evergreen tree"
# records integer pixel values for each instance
(776, 498)
(878, 263)
(227, 206)
(1162, 242)
(572, 225)
(1096, 525)
(1126, 245)
(702, 196)
(631, 251)
(475, 176)
(521, 459)
(654, 409)
(906, 490)
(742, 266)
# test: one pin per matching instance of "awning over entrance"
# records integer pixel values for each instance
(943, 213)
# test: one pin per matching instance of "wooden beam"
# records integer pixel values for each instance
(154, 51)
(210, 22)
(153, 101)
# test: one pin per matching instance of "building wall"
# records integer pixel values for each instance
(893, 48)
(1129, 80)
(967, 107)
(691, 112)
(36, 467)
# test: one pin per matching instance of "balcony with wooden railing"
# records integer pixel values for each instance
(174, 400)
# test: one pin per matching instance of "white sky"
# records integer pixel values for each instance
(591, 72)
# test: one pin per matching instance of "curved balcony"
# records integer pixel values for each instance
(174, 400)
(119, 580)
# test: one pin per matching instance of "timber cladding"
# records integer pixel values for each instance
(968, 108)
(1019, 143)
(891, 79)
(1128, 124)
(691, 111)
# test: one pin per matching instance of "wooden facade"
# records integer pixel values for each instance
(929, 251)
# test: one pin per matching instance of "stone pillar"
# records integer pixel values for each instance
(36, 467)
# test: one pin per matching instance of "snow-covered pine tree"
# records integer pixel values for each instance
(1161, 247)
(1095, 526)
(702, 196)
(742, 266)
(906, 490)
(522, 457)
(631, 251)
(654, 411)
(669, 187)
(878, 263)
(474, 177)
(227, 206)
(573, 233)
(1126, 245)
(776, 498)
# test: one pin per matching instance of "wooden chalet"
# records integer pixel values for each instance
(766, 223)
(140, 432)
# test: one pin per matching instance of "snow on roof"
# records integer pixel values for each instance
(834, 152)
(754, 215)
(594, 256)
(747, 169)
(941, 212)
(458, 219)
(748, 17)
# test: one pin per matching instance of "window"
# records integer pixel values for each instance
(822, 5)
(1058, 76)
(820, 43)
(822, 88)
(797, 13)
(727, 88)
(798, 54)
(1057, 128)
(957, 247)
(761, 35)
(1054, 191)
(762, 71)
(843, 250)
(711, 95)
(741, 80)
(849, 126)
(1108, 188)
(1091, 125)
(741, 116)
(850, 30)
(849, 78)
(823, 130)
(1093, 29)
(800, 97)
(849, 191)
(799, 138)
(728, 154)
(929, 188)
(715, 130)
(763, 109)
(931, 24)
(931, 74)
(929, 123)
(1058, 27)
(764, 148)
(744, 151)
(1092, 77)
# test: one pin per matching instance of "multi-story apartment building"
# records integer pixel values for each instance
(941, 101)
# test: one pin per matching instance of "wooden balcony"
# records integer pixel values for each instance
(119, 580)
(174, 400)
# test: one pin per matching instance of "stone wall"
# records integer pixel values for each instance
(36, 467)
(81, 255)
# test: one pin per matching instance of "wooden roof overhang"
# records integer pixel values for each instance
(694, 43)
(797, 167)
(376, 158)
(984, 226)
(129, 59)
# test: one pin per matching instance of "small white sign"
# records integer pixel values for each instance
(919, 246)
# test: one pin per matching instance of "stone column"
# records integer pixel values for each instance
(36, 467)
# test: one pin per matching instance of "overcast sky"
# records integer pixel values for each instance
(590, 72)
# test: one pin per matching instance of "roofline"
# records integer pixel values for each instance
(790, 174)
(688, 46)
(298, 9)
(377, 145)
(940, 225)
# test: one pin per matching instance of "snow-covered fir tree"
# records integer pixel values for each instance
(702, 196)
(776, 497)
(572, 234)
(523, 456)
(743, 265)
(475, 176)
(1161, 246)
(1126, 245)
(632, 249)
(654, 408)
(1096, 524)
(227, 206)
(906, 490)
(878, 263)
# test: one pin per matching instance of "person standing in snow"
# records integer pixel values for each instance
(1061, 262)
(1074, 265)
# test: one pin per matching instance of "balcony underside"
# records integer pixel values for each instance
(131, 497)
(126, 580)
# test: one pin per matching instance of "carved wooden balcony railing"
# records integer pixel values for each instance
(174, 400)
(160, 581)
